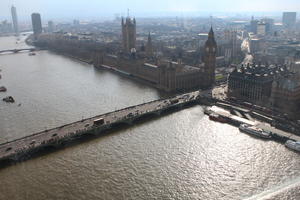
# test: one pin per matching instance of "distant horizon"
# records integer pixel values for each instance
(98, 10)
(194, 14)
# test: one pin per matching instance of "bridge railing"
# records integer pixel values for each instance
(89, 118)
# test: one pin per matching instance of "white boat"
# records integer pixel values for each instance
(252, 130)
(293, 145)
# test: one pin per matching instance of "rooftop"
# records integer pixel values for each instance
(259, 71)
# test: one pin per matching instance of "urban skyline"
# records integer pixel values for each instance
(150, 100)
(90, 11)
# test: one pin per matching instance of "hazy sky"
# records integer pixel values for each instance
(99, 8)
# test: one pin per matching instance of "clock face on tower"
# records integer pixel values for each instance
(211, 49)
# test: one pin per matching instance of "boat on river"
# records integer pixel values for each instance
(294, 145)
(252, 130)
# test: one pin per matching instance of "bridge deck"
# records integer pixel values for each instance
(18, 50)
(35, 141)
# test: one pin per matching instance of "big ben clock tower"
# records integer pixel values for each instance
(210, 52)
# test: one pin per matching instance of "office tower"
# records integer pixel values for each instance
(269, 24)
(129, 34)
(50, 26)
(253, 25)
(76, 22)
(36, 24)
(15, 19)
(289, 19)
(261, 29)
(232, 44)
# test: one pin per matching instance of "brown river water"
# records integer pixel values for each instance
(182, 155)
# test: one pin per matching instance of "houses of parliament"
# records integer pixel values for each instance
(164, 74)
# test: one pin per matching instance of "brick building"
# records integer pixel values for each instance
(286, 96)
(253, 83)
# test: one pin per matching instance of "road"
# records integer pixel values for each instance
(69, 131)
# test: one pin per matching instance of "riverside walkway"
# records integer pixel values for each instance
(17, 149)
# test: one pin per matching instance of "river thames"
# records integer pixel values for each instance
(183, 155)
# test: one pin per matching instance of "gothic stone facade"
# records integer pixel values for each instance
(128, 34)
(166, 75)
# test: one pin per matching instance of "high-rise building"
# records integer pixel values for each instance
(129, 34)
(261, 29)
(5, 27)
(15, 19)
(232, 46)
(289, 19)
(209, 59)
(76, 22)
(50, 26)
(36, 24)
(253, 25)
(269, 24)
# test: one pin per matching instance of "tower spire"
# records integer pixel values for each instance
(129, 33)
(210, 57)
(149, 48)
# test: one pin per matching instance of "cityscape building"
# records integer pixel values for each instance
(165, 74)
(253, 83)
(210, 58)
(36, 24)
(15, 19)
(149, 46)
(286, 89)
(289, 19)
(261, 29)
(129, 34)
(50, 26)
(253, 25)
(5, 27)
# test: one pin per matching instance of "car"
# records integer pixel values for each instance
(8, 149)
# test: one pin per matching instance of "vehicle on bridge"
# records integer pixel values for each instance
(293, 145)
(173, 101)
(99, 121)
